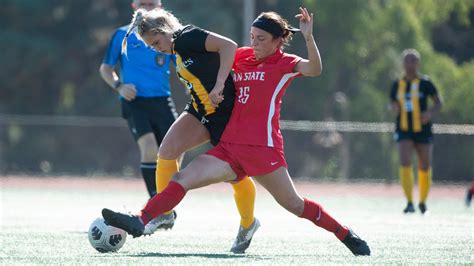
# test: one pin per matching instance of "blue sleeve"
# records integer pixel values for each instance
(113, 52)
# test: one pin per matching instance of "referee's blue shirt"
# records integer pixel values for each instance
(143, 67)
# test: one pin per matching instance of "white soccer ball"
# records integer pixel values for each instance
(106, 238)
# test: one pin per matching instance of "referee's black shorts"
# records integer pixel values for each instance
(149, 115)
(215, 122)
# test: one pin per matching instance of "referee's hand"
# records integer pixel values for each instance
(127, 91)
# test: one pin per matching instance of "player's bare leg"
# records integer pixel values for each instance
(186, 133)
(204, 170)
(280, 185)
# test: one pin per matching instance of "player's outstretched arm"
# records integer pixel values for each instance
(313, 65)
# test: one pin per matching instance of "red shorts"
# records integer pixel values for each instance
(249, 160)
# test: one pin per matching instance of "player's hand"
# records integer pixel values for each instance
(217, 95)
(306, 22)
(426, 117)
(395, 107)
(127, 91)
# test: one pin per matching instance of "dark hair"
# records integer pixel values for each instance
(285, 31)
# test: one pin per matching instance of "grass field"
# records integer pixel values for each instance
(44, 221)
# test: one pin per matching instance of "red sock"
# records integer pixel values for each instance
(316, 214)
(163, 202)
(472, 188)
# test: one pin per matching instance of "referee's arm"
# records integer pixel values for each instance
(108, 74)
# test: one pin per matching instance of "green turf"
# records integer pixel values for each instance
(48, 226)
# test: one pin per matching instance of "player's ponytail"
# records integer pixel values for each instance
(137, 19)
(156, 20)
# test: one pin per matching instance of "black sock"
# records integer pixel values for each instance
(148, 173)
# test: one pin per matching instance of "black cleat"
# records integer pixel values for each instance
(130, 223)
(422, 207)
(468, 198)
(409, 208)
(356, 245)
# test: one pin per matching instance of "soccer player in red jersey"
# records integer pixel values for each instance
(252, 143)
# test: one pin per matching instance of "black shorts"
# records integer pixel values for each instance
(215, 122)
(149, 115)
(424, 137)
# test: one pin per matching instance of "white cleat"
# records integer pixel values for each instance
(244, 237)
(163, 221)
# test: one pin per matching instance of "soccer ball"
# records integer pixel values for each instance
(106, 238)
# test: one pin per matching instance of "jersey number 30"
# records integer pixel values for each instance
(244, 94)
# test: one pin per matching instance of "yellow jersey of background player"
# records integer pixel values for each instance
(412, 98)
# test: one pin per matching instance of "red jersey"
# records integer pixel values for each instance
(259, 87)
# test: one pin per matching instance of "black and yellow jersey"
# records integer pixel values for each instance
(412, 97)
(198, 68)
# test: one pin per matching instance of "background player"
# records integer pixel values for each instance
(203, 62)
(144, 89)
(409, 100)
(252, 143)
(469, 194)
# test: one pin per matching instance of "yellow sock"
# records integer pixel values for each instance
(244, 195)
(406, 179)
(424, 183)
(165, 170)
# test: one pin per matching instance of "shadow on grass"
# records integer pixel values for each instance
(201, 255)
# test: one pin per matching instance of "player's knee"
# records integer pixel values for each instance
(169, 151)
(149, 156)
(148, 147)
(149, 153)
(405, 160)
(425, 166)
(405, 163)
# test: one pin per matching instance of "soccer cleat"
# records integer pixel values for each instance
(244, 237)
(409, 208)
(468, 198)
(130, 223)
(356, 245)
(163, 221)
(422, 207)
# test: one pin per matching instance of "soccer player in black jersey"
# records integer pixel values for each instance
(203, 63)
(409, 100)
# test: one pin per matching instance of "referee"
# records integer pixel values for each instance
(144, 89)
